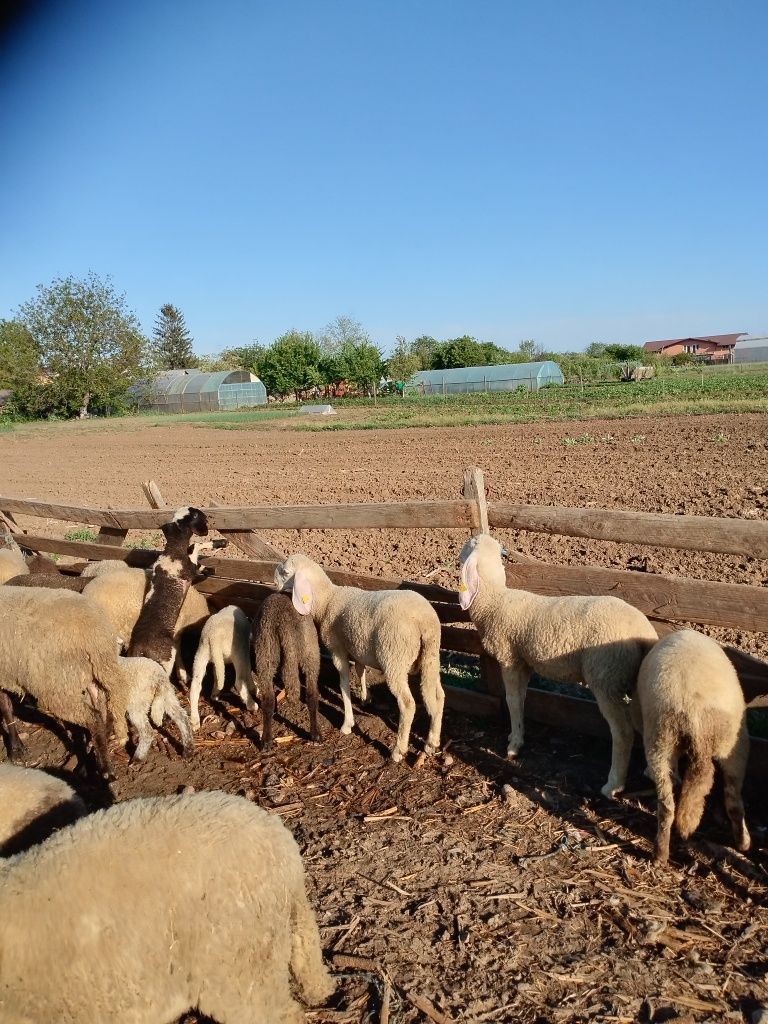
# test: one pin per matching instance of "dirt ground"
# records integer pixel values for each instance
(475, 888)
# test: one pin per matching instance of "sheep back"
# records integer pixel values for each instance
(49, 581)
(157, 932)
(12, 563)
(32, 805)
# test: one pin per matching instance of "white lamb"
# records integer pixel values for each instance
(396, 631)
(692, 705)
(155, 907)
(32, 805)
(599, 641)
(94, 569)
(225, 640)
(150, 695)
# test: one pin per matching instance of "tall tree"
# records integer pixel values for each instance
(290, 364)
(340, 332)
(530, 349)
(19, 366)
(171, 341)
(360, 363)
(90, 344)
(403, 362)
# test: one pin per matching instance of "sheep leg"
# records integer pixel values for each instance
(616, 714)
(734, 768)
(432, 694)
(515, 686)
(661, 773)
(265, 687)
(98, 731)
(138, 720)
(244, 687)
(16, 747)
(342, 667)
(182, 676)
(398, 684)
(697, 783)
(310, 673)
(195, 689)
(360, 669)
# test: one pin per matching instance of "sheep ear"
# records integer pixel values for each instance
(302, 595)
(470, 582)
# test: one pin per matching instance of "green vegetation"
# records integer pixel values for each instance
(83, 535)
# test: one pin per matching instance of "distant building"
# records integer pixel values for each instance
(751, 348)
(711, 348)
(193, 391)
(503, 377)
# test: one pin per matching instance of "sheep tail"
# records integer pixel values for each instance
(697, 783)
(307, 966)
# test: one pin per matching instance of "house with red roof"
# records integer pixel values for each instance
(710, 348)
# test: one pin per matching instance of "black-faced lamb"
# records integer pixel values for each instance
(173, 573)
(397, 632)
(33, 804)
(57, 647)
(285, 643)
(49, 581)
(692, 706)
(225, 640)
(155, 907)
(598, 641)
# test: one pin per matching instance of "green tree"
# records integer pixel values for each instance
(464, 351)
(595, 351)
(424, 348)
(245, 357)
(90, 344)
(340, 332)
(291, 364)
(530, 350)
(360, 363)
(403, 362)
(20, 367)
(624, 353)
(171, 341)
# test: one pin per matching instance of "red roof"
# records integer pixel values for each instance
(721, 340)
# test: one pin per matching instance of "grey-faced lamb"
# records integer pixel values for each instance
(173, 904)
(692, 706)
(173, 573)
(33, 804)
(397, 632)
(285, 643)
(225, 640)
(57, 647)
(598, 641)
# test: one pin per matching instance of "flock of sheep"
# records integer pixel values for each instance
(198, 900)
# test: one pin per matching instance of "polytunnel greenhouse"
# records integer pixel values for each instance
(751, 348)
(192, 391)
(505, 377)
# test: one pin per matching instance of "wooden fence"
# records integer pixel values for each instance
(667, 600)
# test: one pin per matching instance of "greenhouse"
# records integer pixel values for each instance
(505, 377)
(192, 391)
(751, 348)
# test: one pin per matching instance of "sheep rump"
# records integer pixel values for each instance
(183, 903)
(40, 629)
(32, 805)
(285, 643)
(149, 695)
(225, 640)
(692, 705)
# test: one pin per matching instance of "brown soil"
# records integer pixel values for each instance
(497, 891)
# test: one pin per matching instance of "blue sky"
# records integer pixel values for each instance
(567, 171)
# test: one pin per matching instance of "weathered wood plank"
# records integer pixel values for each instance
(663, 597)
(470, 702)
(111, 535)
(92, 551)
(693, 533)
(371, 515)
(474, 490)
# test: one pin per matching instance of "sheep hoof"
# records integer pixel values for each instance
(512, 753)
(611, 791)
(431, 748)
(397, 755)
(346, 729)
